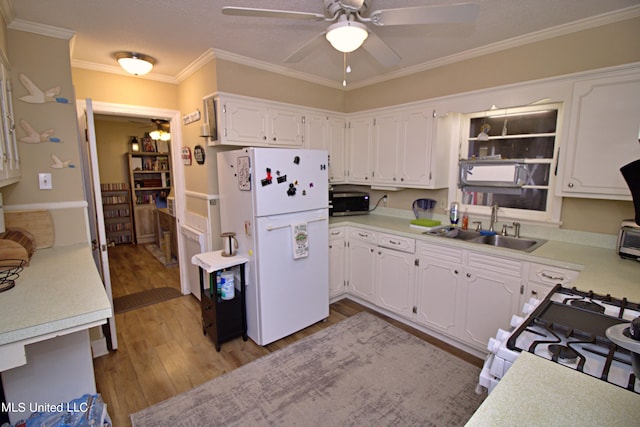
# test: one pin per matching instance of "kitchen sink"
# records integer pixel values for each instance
(454, 233)
(508, 242)
(517, 243)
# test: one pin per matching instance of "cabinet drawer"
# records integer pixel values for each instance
(444, 253)
(492, 263)
(363, 235)
(399, 243)
(551, 275)
(336, 233)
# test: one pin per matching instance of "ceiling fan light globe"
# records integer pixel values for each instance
(155, 135)
(135, 63)
(347, 36)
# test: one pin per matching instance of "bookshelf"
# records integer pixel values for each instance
(116, 208)
(150, 179)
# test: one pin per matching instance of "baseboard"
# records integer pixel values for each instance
(99, 347)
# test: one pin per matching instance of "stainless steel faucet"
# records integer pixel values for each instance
(494, 216)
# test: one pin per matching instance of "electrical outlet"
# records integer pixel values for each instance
(44, 181)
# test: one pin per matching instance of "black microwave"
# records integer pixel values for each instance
(348, 203)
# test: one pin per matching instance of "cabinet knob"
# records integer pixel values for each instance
(455, 271)
(570, 185)
(468, 274)
(274, 138)
(264, 137)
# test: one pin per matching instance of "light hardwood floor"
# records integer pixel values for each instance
(161, 349)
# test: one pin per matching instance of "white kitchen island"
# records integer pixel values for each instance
(538, 392)
(45, 350)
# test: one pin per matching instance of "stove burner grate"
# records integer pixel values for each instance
(587, 305)
(563, 353)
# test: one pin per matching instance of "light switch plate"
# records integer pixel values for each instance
(44, 181)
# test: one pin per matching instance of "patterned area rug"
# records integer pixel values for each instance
(361, 371)
(159, 255)
(143, 299)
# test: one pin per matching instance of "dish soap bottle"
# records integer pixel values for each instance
(465, 220)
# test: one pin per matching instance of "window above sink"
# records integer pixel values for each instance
(514, 151)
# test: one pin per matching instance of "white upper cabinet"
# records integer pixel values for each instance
(324, 132)
(10, 161)
(360, 144)
(257, 123)
(604, 130)
(407, 151)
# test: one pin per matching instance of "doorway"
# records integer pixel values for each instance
(143, 114)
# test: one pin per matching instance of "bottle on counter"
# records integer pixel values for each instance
(465, 220)
(453, 213)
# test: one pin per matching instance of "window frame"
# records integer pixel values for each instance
(553, 204)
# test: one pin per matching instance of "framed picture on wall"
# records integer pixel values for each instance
(210, 111)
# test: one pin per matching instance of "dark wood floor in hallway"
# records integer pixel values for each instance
(162, 351)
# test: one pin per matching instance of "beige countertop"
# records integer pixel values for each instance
(60, 290)
(538, 392)
(601, 269)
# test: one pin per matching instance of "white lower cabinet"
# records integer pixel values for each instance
(361, 248)
(460, 293)
(395, 274)
(337, 261)
(492, 296)
(543, 278)
(440, 288)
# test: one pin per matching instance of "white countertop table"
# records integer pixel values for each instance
(539, 392)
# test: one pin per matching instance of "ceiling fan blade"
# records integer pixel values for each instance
(269, 13)
(380, 50)
(463, 12)
(306, 49)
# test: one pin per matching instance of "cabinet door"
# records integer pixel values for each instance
(603, 136)
(491, 301)
(361, 269)
(360, 143)
(286, 128)
(315, 132)
(245, 123)
(336, 145)
(437, 299)
(337, 263)
(415, 147)
(386, 140)
(395, 273)
(440, 288)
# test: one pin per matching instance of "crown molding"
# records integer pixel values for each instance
(42, 29)
(560, 30)
(115, 69)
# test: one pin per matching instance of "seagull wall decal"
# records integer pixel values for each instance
(56, 163)
(35, 137)
(38, 96)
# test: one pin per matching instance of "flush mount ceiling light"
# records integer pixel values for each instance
(134, 63)
(347, 35)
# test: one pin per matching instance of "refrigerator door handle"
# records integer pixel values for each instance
(271, 227)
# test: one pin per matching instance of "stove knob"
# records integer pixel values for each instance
(528, 308)
(516, 321)
(493, 345)
(502, 335)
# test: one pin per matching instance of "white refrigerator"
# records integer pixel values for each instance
(276, 201)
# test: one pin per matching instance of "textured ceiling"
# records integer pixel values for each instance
(178, 32)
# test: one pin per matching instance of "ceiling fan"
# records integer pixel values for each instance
(351, 22)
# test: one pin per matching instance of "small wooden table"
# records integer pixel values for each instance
(222, 319)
